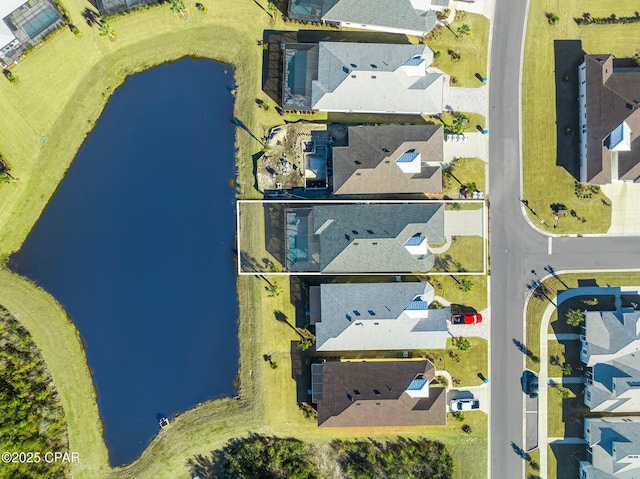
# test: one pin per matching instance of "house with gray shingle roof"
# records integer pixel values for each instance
(613, 448)
(376, 316)
(389, 159)
(609, 114)
(611, 351)
(24, 24)
(363, 238)
(388, 393)
(409, 17)
(361, 77)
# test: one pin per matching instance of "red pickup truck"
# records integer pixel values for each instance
(466, 318)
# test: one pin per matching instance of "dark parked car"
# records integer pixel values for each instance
(529, 383)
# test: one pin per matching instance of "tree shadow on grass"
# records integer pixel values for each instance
(568, 56)
(274, 234)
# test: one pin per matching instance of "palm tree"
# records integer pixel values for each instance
(177, 6)
(273, 290)
(574, 317)
(106, 30)
(272, 9)
(465, 285)
(464, 30)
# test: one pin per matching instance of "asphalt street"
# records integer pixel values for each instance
(516, 248)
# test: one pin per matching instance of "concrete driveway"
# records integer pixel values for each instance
(625, 209)
(472, 100)
(480, 392)
(476, 146)
(480, 330)
(463, 223)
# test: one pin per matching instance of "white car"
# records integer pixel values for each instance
(464, 404)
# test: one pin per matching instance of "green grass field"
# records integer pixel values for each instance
(472, 50)
(62, 89)
(544, 182)
(466, 253)
(465, 171)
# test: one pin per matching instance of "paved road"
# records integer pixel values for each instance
(516, 248)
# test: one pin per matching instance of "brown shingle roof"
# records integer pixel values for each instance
(380, 399)
(613, 96)
(368, 166)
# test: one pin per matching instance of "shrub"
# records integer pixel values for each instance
(552, 18)
(574, 317)
(463, 344)
(9, 76)
(458, 415)
(466, 428)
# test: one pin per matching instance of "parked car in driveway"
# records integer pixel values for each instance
(464, 404)
(466, 318)
(529, 383)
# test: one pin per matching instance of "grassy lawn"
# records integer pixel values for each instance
(566, 352)
(565, 414)
(471, 362)
(447, 287)
(465, 171)
(464, 254)
(537, 306)
(472, 49)
(530, 472)
(564, 460)
(544, 181)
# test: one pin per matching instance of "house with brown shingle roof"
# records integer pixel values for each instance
(389, 159)
(378, 393)
(609, 119)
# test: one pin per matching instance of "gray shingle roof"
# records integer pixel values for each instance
(368, 164)
(396, 14)
(608, 332)
(611, 440)
(370, 238)
(616, 384)
(369, 77)
(373, 316)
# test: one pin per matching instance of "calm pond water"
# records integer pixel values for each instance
(137, 244)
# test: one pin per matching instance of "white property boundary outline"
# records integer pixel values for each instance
(311, 202)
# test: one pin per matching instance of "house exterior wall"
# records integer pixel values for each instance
(582, 120)
(403, 112)
(417, 33)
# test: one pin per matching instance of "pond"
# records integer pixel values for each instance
(138, 245)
